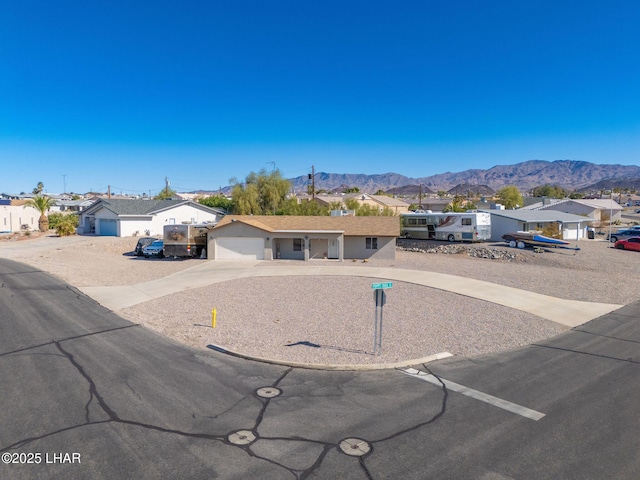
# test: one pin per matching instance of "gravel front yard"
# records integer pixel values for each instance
(329, 319)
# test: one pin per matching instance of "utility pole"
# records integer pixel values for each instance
(166, 187)
(312, 177)
(420, 198)
(108, 191)
(64, 182)
(273, 165)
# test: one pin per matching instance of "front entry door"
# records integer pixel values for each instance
(333, 248)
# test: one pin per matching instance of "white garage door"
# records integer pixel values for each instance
(240, 248)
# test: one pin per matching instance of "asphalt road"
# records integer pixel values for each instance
(86, 394)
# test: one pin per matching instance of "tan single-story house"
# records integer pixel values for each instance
(272, 237)
(384, 201)
(379, 202)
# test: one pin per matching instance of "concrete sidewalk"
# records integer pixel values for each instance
(566, 312)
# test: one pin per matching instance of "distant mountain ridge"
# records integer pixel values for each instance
(568, 174)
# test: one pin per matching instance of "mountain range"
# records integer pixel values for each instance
(568, 174)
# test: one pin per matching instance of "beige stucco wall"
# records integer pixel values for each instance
(351, 247)
(12, 217)
(355, 247)
(237, 229)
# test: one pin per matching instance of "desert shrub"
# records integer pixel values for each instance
(552, 230)
(55, 219)
(64, 225)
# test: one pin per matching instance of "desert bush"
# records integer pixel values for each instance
(64, 225)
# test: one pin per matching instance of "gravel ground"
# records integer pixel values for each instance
(330, 320)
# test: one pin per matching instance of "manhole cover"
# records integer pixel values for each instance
(268, 392)
(355, 447)
(242, 437)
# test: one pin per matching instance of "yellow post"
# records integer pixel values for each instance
(213, 318)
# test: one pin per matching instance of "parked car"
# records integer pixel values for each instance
(632, 243)
(156, 249)
(143, 242)
(627, 232)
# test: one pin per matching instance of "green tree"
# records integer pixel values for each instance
(442, 193)
(551, 191)
(576, 195)
(262, 193)
(335, 205)
(42, 204)
(351, 204)
(245, 199)
(165, 194)
(352, 190)
(273, 191)
(459, 204)
(364, 210)
(217, 201)
(39, 188)
(305, 207)
(510, 197)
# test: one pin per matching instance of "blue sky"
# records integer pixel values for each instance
(125, 94)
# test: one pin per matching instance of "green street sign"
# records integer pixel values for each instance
(377, 286)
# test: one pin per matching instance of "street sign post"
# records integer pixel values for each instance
(380, 298)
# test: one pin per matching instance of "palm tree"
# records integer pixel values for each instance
(43, 205)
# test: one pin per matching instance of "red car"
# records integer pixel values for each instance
(631, 243)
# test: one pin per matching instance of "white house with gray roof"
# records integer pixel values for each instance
(597, 209)
(573, 227)
(142, 217)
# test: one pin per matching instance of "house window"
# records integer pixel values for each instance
(371, 243)
(466, 221)
(297, 244)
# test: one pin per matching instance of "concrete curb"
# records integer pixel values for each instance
(319, 366)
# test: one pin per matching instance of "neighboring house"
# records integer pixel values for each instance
(188, 196)
(431, 203)
(632, 200)
(131, 217)
(17, 196)
(68, 206)
(597, 210)
(269, 237)
(323, 199)
(379, 202)
(383, 201)
(573, 227)
(14, 216)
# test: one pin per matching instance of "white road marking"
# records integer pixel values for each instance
(483, 397)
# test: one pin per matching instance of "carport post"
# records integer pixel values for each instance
(306, 248)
